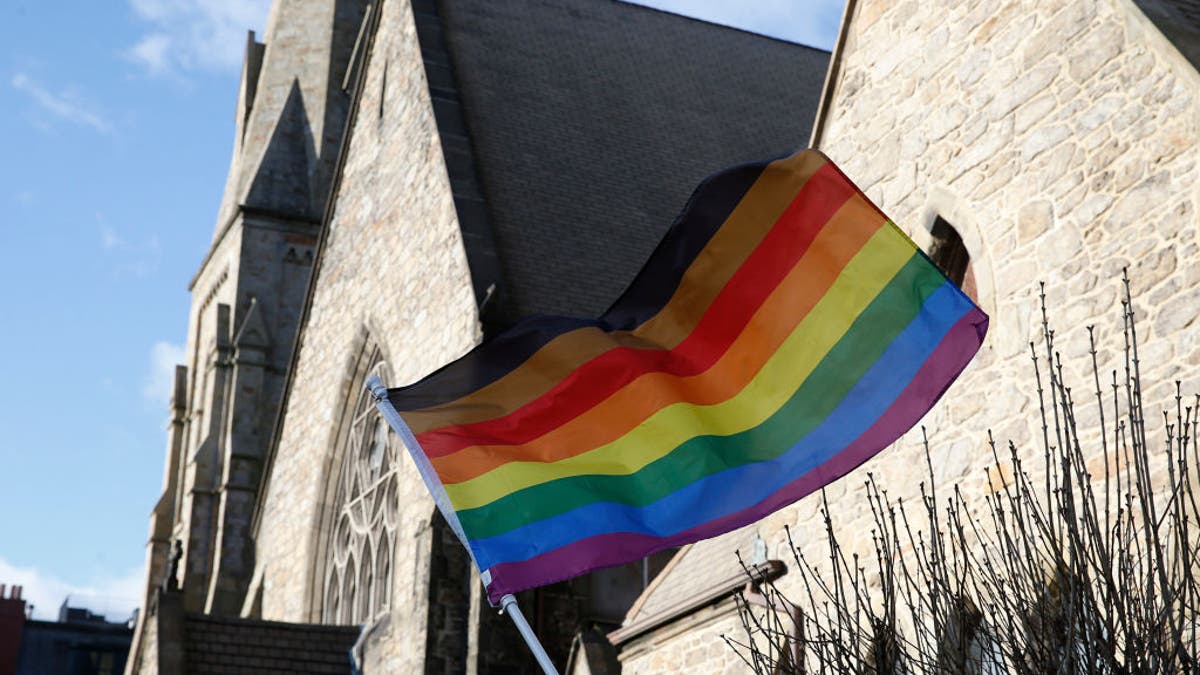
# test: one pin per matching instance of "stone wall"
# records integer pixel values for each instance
(246, 298)
(1061, 140)
(688, 645)
(144, 653)
(450, 585)
(214, 291)
(393, 272)
(291, 109)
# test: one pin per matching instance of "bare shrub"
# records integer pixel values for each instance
(1068, 573)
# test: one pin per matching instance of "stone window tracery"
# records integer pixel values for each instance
(363, 526)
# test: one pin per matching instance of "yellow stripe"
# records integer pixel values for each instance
(859, 282)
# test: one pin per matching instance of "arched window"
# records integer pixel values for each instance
(950, 254)
(358, 570)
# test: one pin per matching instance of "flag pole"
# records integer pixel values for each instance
(508, 604)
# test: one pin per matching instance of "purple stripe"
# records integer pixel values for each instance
(927, 386)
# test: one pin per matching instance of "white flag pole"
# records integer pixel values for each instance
(508, 604)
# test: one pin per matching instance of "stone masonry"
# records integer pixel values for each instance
(327, 260)
(246, 300)
(393, 274)
(1061, 140)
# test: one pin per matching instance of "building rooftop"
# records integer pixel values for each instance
(589, 123)
(231, 646)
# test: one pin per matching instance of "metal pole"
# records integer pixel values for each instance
(424, 467)
(508, 605)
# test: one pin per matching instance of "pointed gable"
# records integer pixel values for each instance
(291, 93)
(281, 184)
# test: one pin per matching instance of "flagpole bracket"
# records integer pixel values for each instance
(377, 388)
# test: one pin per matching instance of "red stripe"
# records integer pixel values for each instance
(787, 241)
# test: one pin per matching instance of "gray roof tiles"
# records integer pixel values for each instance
(591, 122)
(223, 645)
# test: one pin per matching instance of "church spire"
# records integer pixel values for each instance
(291, 110)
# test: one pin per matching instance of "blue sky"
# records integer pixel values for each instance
(116, 123)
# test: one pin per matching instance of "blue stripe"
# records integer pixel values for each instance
(740, 487)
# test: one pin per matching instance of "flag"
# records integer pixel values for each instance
(782, 333)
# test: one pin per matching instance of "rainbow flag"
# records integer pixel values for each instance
(782, 333)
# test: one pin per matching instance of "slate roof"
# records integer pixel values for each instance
(235, 646)
(589, 124)
(1179, 20)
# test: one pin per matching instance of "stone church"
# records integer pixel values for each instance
(409, 176)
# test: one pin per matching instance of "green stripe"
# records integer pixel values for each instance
(870, 334)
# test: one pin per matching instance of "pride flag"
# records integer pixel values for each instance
(782, 333)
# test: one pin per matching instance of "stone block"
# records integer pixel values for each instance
(1095, 139)
(1101, 46)
(1136, 204)
(1101, 112)
(1023, 88)
(997, 20)
(1034, 218)
(1093, 207)
(1016, 34)
(998, 136)
(973, 66)
(1034, 112)
(996, 174)
(944, 120)
(1058, 31)
(1042, 139)
(1154, 266)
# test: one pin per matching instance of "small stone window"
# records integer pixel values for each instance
(950, 254)
(363, 528)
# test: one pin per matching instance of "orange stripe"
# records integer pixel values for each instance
(710, 271)
(840, 239)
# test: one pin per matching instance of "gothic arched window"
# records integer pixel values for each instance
(358, 570)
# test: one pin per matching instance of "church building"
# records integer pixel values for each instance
(407, 178)
(410, 176)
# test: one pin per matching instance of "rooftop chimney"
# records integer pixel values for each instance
(12, 622)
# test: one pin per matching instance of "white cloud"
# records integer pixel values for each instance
(110, 239)
(164, 356)
(187, 35)
(153, 52)
(66, 105)
(115, 597)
